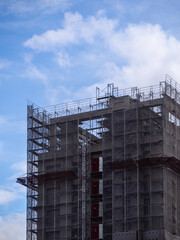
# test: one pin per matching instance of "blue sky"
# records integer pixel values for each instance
(52, 51)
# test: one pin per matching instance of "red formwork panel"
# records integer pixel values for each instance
(95, 231)
(95, 210)
(94, 165)
(95, 187)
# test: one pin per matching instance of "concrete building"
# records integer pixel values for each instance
(106, 167)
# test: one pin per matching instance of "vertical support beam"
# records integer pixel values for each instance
(138, 188)
(54, 153)
(29, 171)
(125, 180)
(112, 174)
(164, 197)
(150, 151)
(150, 197)
(79, 182)
(84, 190)
(43, 191)
(66, 179)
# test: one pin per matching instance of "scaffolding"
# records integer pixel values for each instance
(106, 167)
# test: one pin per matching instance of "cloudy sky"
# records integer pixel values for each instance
(53, 51)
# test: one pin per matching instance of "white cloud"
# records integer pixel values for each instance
(76, 29)
(7, 196)
(28, 57)
(13, 227)
(140, 54)
(53, 93)
(4, 63)
(33, 72)
(149, 53)
(11, 192)
(109, 72)
(63, 60)
(9, 125)
(2, 120)
(19, 168)
(33, 6)
(50, 6)
(1, 147)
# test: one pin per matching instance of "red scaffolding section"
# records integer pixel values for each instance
(170, 162)
(32, 181)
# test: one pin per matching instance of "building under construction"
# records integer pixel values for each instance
(106, 167)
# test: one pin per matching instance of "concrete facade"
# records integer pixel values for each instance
(107, 171)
